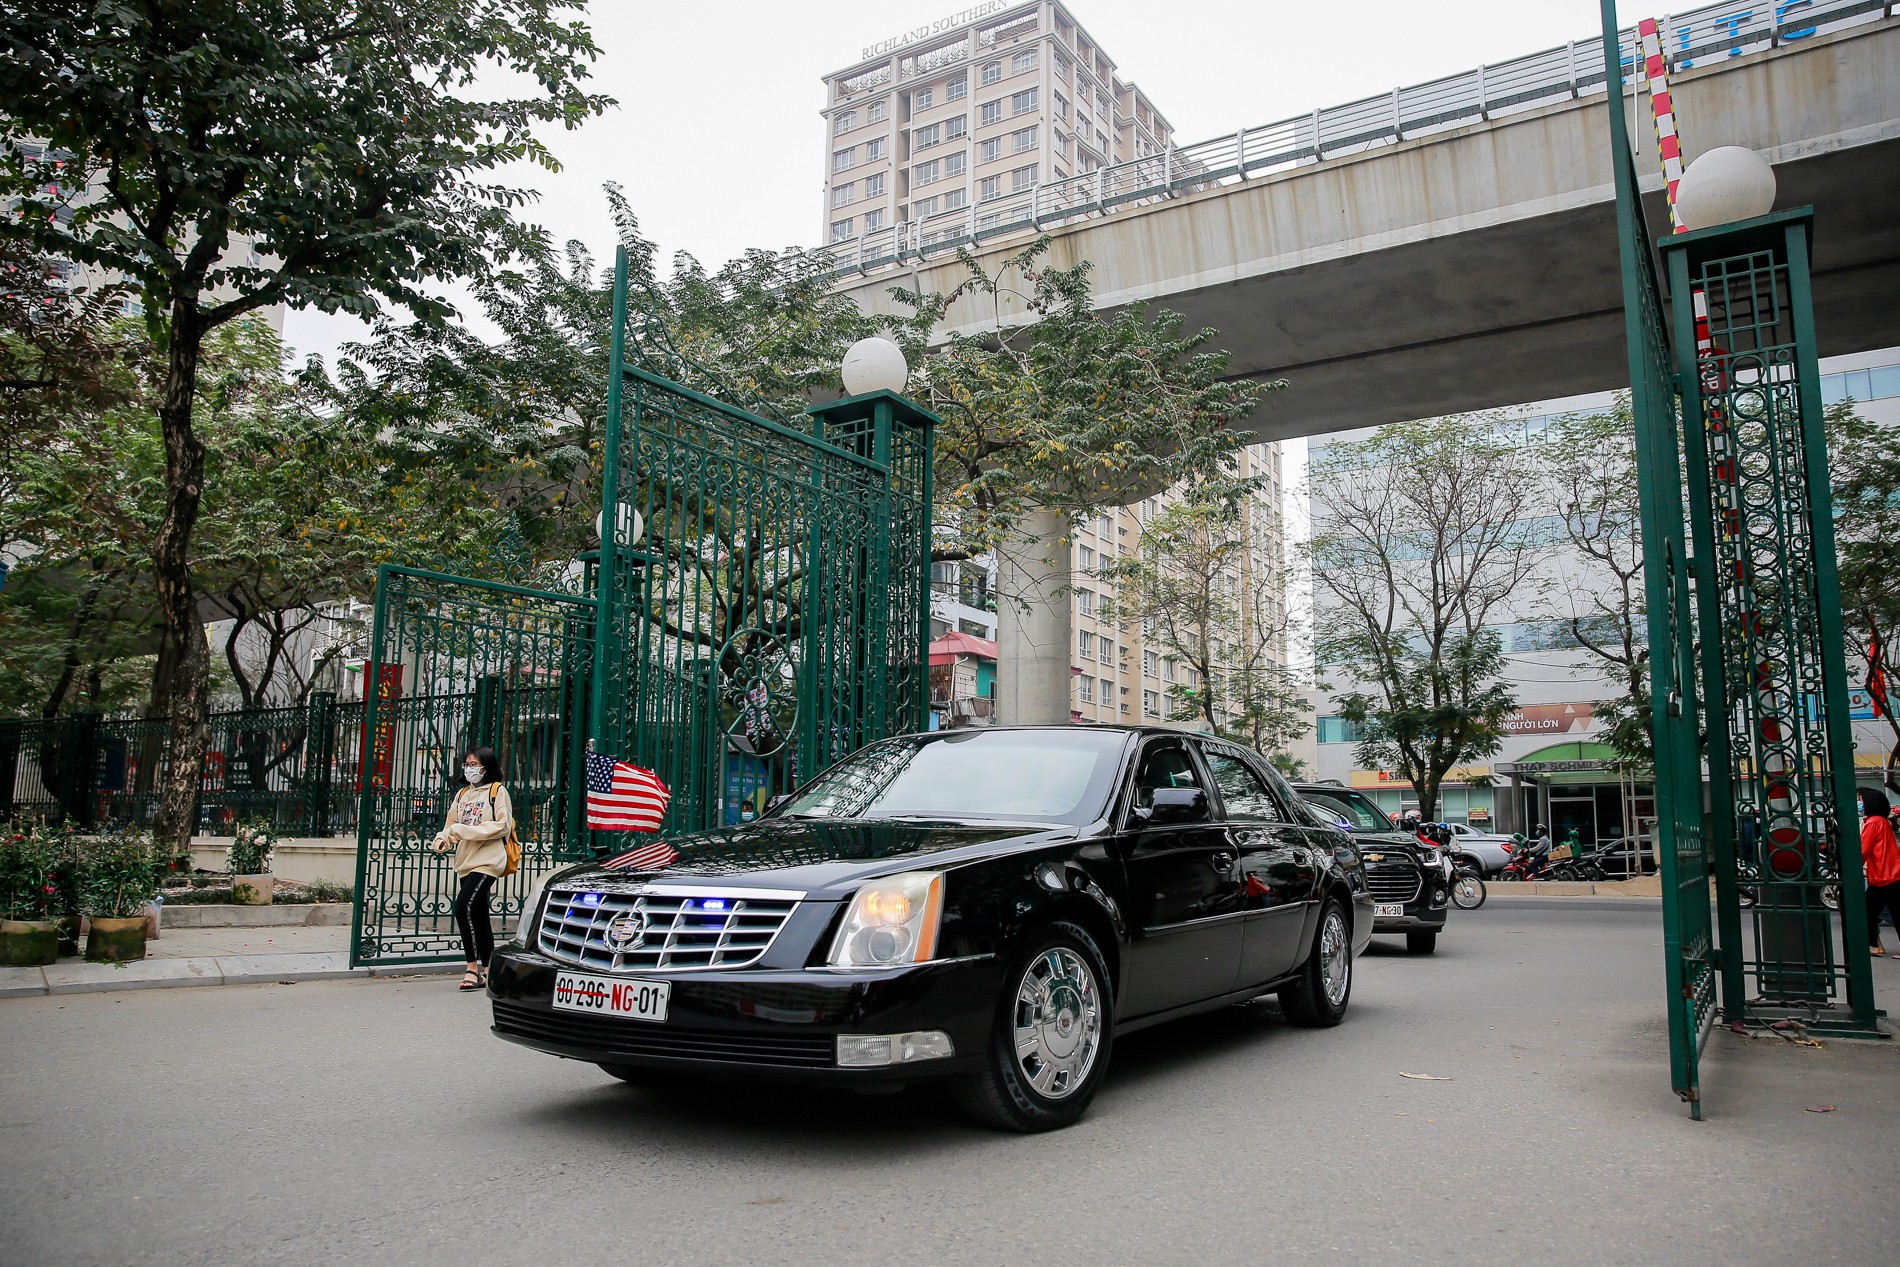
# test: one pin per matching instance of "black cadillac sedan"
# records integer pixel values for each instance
(992, 907)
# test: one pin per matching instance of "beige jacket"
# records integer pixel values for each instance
(478, 836)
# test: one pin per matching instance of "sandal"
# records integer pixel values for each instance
(473, 979)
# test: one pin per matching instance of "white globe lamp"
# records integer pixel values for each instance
(628, 524)
(872, 365)
(1727, 184)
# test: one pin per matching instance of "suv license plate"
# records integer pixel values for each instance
(635, 1000)
(1379, 911)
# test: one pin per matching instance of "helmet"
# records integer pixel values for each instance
(1539, 830)
(1409, 818)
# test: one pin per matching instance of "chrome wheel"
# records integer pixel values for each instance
(1335, 958)
(1058, 1022)
(1467, 892)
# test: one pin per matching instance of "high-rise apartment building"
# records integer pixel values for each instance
(955, 125)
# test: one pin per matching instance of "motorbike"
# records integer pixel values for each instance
(1467, 883)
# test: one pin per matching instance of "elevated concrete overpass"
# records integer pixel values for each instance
(1476, 266)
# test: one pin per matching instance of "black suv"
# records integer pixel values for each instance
(1410, 880)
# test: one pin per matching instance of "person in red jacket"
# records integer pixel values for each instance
(1880, 859)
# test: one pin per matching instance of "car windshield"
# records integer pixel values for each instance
(1353, 811)
(1040, 776)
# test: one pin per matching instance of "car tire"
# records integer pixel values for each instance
(1318, 999)
(1423, 943)
(1057, 981)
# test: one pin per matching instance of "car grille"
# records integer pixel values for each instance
(640, 1038)
(682, 928)
(1394, 883)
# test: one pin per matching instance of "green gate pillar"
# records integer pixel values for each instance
(1781, 751)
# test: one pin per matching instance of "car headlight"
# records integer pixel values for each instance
(531, 908)
(891, 921)
(1431, 857)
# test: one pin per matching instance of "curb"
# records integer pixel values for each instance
(282, 915)
(161, 974)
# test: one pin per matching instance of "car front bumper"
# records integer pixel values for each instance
(764, 1024)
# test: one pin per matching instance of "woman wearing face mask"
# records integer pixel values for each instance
(1880, 856)
(480, 819)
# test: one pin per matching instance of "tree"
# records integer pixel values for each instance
(228, 157)
(1591, 464)
(1864, 471)
(1422, 542)
(1207, 591)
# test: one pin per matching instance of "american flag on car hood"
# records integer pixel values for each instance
(623, 797)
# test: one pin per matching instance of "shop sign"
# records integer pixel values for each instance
(1553, 767)
(1392, 778)
(1551, 719)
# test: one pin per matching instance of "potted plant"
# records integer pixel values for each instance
(117, 882)
(248, 861)
(29, 899)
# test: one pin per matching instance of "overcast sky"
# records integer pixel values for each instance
(719, 146)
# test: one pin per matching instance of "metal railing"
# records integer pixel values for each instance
(1715, 32)
(297, 768)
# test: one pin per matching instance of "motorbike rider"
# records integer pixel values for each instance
(1536, 852)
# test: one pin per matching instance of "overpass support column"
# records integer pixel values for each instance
(1032, 625)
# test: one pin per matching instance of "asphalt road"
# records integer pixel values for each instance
(378, 1122)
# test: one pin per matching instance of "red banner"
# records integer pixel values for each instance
(376, 755)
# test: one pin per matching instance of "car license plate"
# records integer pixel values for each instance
(636, 1000)
(1383, 909)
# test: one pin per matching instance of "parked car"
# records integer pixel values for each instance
(1489, 848)
(1624, 857)
(994, 907)
(1410, 880)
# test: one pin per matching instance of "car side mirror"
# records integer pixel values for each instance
(1178, 804)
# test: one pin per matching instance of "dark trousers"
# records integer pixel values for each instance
(1881, 897)
(471, 917)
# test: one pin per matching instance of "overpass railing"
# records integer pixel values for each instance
(1712, 33)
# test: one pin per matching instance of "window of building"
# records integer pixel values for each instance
(989, 189)
(1337, 730)
(873, 221)
(1023, 62)
(841, 195)
(924, 138)
(1108, 651)
(877, 112)
(840, 230)
(1167, 668)
(1086, 558)
(923, 209)
(844, 123)
(957, 89)
(1022, 178)
(1062, 107)
(956, 128)
(920, 100)
(844, 159)
(1151, 703)
(976, 629)
(1150, 664)
(1085, 689)
(1022, 140)
(1062, 143)
(1062, 66)
(956, 197)
(874, 186)
(874, 150)
(927, 173)
(1085, 644)
(1085, 602)
(1082, 126)
(1022, 102)
(990, 112)
(992, 71)
(989, 151)
(1101, 142)
(989, 221)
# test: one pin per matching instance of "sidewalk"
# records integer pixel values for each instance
(213, 956)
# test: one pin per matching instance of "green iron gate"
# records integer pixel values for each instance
(1682, 845)
(765, 597)
(760, 608)
(456, 664)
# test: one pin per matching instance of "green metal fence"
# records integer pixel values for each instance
(288, 766)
